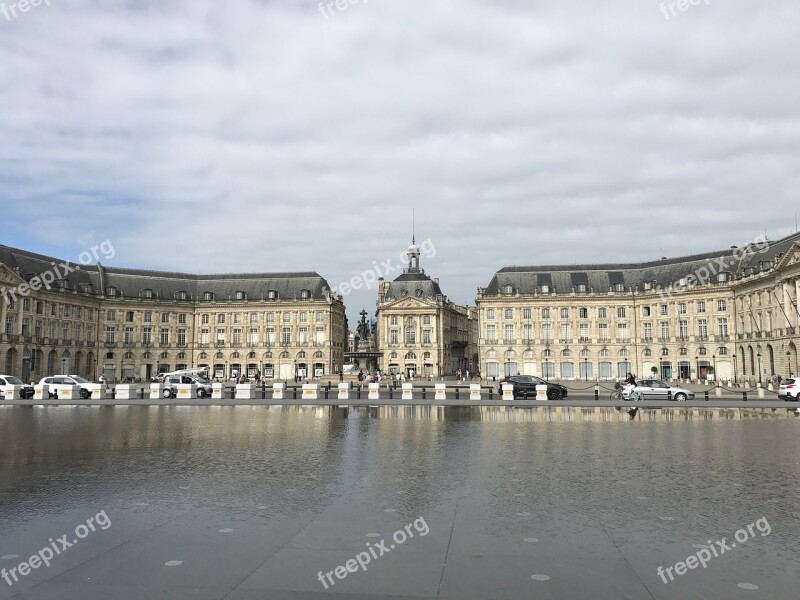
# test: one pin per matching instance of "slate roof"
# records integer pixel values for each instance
(165, 285)
(563, 279)
(408, 284)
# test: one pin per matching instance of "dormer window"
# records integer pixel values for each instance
(111, 291)
(545, 288)
(305, 294)
(181, 295)
(508, 290)
(581, 288)
(722, 277)
(419, 293)
(648, 285)
(147, 293)
(208, 296)
(240, 295)
(619, 287)
(62, 284)
(272, 295)
(87, 288)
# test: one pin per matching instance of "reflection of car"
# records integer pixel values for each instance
(789, 390)
(171, 382)
(26, 392)
(85, 385)
(655, 389)
(526, 384)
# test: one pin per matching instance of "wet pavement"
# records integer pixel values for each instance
(247, 502)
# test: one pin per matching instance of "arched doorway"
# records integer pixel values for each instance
(65, 363)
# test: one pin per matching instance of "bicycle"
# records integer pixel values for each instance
(616, 396)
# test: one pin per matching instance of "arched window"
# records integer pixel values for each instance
(411, 356)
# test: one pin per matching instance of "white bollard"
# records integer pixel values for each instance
(719, 392)
(310, 391)
(408, 391)
(440, 391)
(760, 391)
(344, 392)
(374, 391)
(217, 391)
(474, 391)
(156, 391)
(541, 392)
(41, 391)
(68, 392)
(278, 390)
(508, 391)
(98, 390)
(13, 392)
(122, 391)
(246, 391)
(186, 391)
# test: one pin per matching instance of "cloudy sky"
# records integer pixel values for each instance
(279, 135)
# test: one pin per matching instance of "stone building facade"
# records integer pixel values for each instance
(730, 315)
(133, 324)
(420, 332)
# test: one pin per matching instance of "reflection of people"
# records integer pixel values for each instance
(632, 413)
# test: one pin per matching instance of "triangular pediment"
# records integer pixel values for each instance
(407, 303)
(9, 278)
(791, 257)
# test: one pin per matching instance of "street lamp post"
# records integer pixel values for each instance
(697, 367)
(789, 360)
(716, 377)
(734, 367)
(759, 366)
(586, 368)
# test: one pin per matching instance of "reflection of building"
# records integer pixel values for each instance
(601, 321)
(135, 323)
(419, 330)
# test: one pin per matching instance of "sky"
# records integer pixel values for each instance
(264, 135)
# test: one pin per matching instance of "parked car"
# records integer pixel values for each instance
(655, 389)
(171, 382)
(54, 380)
(789, 390)
(26, 392)
(526, 385)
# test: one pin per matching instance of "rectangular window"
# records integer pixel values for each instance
(605, 370)
(491, 334)
(394, 337)
(565, 313)
(220, 336)
(393, 320)
(111, 315)
(602, 313)
(78, 333)
(701, 306)
(148, 317)
(583, 330)
(237, 318)
(237, 336)
(286, 335)
(253, 339)
(204, 336)
(164, 336)
(287, 317)
(583, 313)
(64, 331)
(303, 335)
(111, 334)
(683, 329)
(411, 336)
(648, 331)
(127, 336)
(129, 316)
(66, 307)
(622, 332)
(665, 330)
(147, 335)
(303, 316)
(489, 314)
(526, 313)
(621, 312)
(508, 313)
(722, 306)
(547, 331)
(270, 335)
(645, 311)
(221, 318)
(426, 320)
(270, 317)
(53, 310)
(253, 318)
(681, 308)
(548, 370)
(545, 313)
(181, 337)
(722, 326)
(320, 316)
(319, 334)
(509, 334)
(602, 332)
(702, 328)
(426, 336)
(566, 332)
(527, 332)
(204, 319)
(165, 317)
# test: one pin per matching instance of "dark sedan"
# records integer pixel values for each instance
(525, 386)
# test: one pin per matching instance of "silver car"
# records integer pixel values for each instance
(655, 389)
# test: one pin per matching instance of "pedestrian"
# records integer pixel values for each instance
(631, 379)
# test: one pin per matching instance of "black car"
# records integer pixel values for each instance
(525, 385)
